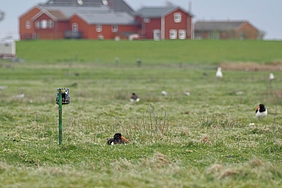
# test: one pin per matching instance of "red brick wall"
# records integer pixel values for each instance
(24, 32)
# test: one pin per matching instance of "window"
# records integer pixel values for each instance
(146, 20)
(74, 27)
(98, 28)
(182, 34)
(115, 28)
(27, 24)
(177, 17)
(37, 24)
(50, 24)
(172, 34)
(43, 24)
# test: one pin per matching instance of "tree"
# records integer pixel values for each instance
(261, 34)
(169, 4)
(2, 15)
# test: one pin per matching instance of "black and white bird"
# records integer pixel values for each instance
(134, 98)
(261, 111)
(118, 139)
(219, 73)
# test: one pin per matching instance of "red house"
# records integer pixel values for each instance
(164, 23)
(103, 19)
(89, 19)
(225, 30)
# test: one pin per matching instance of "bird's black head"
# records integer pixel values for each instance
(260, 108)
(117, 136)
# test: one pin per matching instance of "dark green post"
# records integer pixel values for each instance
(60, 118)
(63, 97)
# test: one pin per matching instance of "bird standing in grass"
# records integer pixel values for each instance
(219, 73)
(134, 98)
(261, 111)
(164, 93)
(271, 76)
(118, 139)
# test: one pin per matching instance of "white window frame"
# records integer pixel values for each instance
(173, 34)
(182, 34)
(37, 24)
(177, 17)
(43, 24)
(27, 24)
(98, 27)
(50, 24)
(74, 27)
(114, 28)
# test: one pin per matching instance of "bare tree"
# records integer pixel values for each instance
(2, 15)
(261, 34)
(169, 4)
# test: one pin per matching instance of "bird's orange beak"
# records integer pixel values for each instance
(257, 108)
(126, 140)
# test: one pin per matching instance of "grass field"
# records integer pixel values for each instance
(208, 139)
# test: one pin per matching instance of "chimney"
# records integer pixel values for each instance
(190, 7)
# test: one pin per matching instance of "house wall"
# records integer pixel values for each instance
(56, 32)
(90, 32)
(148, 28)
(247, 31)
(182, 25)
(26, 33)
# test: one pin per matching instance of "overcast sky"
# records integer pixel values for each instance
(265, 15)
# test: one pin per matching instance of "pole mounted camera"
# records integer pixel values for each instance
(63, 97)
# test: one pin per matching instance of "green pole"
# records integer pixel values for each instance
(60, 118)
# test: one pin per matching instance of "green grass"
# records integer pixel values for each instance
(150, 52)
(209, 139)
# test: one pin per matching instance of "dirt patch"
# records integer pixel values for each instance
(251, 66)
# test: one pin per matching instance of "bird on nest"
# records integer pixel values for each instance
(118, 139)
(261, 111)
(134, 98)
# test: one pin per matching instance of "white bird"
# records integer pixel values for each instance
(187, 93)
(19, 96)
(134, 98)
(219, 73)
(271, 76)
(164, 93)
(261, 111)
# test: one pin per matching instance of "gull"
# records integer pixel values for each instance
(187, 93)
(271, 76)
(19, 96)
(3, 87)
(219, 73)
(164, 93)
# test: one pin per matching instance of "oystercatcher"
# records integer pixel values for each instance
(261, 111)
(134, 98)
(118, 139)
(219, 73)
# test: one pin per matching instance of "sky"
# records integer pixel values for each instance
(265, 15)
